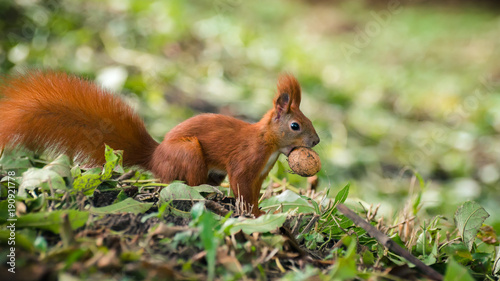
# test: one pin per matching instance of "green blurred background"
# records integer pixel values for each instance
(393, 87)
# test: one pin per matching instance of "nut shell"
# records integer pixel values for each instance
(304, 161)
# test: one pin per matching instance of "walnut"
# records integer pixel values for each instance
(304, 161)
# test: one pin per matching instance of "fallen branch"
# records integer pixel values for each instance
(389, 243)
(216, 208)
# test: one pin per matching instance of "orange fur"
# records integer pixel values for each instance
(56, 111)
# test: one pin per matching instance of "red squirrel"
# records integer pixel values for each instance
(46, 110)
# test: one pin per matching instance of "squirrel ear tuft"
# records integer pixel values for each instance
(281, 104)
(287, 83)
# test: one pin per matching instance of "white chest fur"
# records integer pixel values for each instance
(270, 162)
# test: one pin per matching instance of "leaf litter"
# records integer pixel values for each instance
(127, 228)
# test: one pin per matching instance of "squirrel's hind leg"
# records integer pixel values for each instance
(180, 159)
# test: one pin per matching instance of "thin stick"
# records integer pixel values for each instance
(389, 243)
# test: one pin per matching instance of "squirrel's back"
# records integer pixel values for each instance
(66, 114)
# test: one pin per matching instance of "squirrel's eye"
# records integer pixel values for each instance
(295, 126)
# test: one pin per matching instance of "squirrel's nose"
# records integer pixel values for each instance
(315, 141)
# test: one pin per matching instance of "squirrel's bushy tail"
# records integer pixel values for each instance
(66, 114)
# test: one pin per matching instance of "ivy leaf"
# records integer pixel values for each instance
(468, 218)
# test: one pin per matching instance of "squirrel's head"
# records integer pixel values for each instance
(293, 127)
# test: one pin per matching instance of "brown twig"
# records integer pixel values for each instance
(66, 231)
(216, 208)
(292, 242)
(311, 223)
(389, 243)
(127, 175)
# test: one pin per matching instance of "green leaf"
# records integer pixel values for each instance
(121, 196)
(261, 224)
(345, 267)
(288, 200)
(339, 198)
(205, 188)
(420, 179)
(91, 179)
(431, 258)
(49, 177)
(368, 258)
(468, 218)
(61, 165)
(209, 240)
(113, 162)
(4, 211)
(313, 202)
(179, 191)
(159, 214)
(87, 183)
(41, 244)
(416, 204)
(17, 159)
(423, 245)
(128, 205)
(456, 272)
(197, 210)
(496, 264)
(52, 220)
(280, 170)
(37, 204)
(21, 240)
(342, 195)
(43, 178)
(76, 171)
(459, 252)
